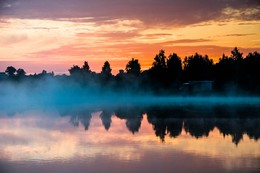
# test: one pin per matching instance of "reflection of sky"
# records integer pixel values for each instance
(41, 138)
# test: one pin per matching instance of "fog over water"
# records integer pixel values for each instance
(60, 94)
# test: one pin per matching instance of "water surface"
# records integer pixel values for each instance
(131, 139)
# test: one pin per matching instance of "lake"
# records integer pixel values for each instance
(190, 138)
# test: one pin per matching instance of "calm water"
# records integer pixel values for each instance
(131, 139)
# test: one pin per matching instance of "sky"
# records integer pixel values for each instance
(54, 35)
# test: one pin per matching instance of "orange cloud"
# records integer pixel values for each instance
(55, 45)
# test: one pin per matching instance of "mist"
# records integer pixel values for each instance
(234, 80)
(52, 93)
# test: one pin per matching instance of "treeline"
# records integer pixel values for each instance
(231, 74)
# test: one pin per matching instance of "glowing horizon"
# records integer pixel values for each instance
(37, 36)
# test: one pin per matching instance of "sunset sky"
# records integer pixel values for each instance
(56, 34)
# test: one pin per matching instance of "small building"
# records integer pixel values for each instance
(197, 87)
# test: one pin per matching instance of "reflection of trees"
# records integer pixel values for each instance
(164, 122)
(106, 118)
(133, 117)
(238, 127)
(82, 117)
(85, 120)
(156, 117)
(196, 121)
(159, 126)
(199, 122)
(174, 127)
(74, 120)
(198, 127)
(134, 124)
(252, 128)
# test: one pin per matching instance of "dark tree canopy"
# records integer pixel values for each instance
(44, 72)
(133, 67)
(236, 54)
(174, 66)
(85, 68)
(106, 69)
(230, 70)
(10, 71)
(198, 67)
(75, 70)
(82, 72)
(159, 61)
(20, 72)
(224, 69)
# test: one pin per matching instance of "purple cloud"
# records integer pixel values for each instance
(179, 12)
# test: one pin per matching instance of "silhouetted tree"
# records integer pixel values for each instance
(232, 73)
(250, 71)
(228, 71)
(198, 67)
(174, 64)
(224, 72)
(10, 71)
(20, 72)
(158, 73)
(85, 68)
(174, 68)
(237, 57)
(159, 60)
(75, 70)
(44, 72)
(133, 67)
(236, 54)
(106, 70)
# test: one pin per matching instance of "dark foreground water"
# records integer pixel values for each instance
(131, 139)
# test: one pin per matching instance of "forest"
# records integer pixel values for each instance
(233, 74)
